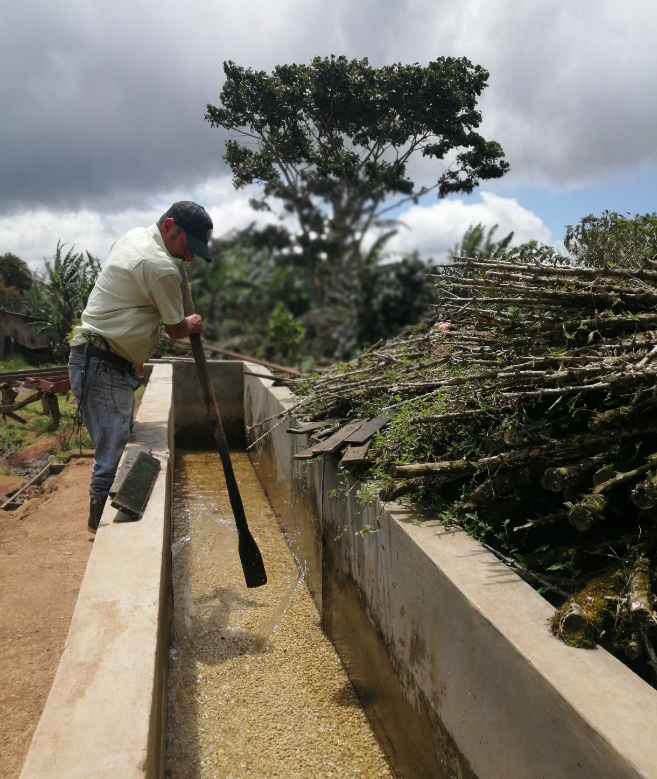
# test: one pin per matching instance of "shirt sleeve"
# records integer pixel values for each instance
(167, 297)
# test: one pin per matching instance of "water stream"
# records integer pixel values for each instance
(255, 688)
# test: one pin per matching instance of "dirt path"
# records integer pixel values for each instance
(44, 547)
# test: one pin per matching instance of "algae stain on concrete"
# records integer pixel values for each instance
(417, 650)
(255, 687)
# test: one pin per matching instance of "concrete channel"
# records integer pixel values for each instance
(448, 652)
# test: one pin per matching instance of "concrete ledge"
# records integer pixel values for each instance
(449, 651)
(105, 714)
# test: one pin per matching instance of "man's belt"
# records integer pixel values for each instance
(103, 354)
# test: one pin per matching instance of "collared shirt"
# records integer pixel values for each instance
(138, 287)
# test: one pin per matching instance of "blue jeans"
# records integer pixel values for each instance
(108, 409)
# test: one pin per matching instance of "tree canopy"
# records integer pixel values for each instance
(332, 141)
(15, 272)
(614, 239)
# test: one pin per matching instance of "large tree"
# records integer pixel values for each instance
(15, 272)
(332, 140)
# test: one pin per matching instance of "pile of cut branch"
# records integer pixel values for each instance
(527, 414)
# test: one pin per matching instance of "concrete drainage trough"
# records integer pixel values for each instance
(449, 651)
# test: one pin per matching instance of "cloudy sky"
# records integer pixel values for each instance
(101, 125)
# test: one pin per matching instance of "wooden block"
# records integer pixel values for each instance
(55, 384)
(130, 456)
(366, 431)
(332, 443)
(137, 486)
(354, 455)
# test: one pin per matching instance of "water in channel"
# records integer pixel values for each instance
(255, 688)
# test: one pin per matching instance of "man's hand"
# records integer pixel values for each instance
(190, 325)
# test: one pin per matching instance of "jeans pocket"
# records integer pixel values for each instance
(132, 378)
(75, 377)
(118, 388)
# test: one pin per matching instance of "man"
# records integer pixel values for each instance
(138, 287)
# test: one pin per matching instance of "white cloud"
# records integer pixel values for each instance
(33, 234)
(431, 230)
(435, 230)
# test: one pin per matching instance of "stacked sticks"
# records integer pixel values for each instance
(528, 415)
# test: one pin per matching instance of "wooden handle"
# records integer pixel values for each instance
(213, 411)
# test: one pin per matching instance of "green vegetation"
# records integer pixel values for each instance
(60, 295)
(525, 413)
(613, 240)
(476, 243)
(40, 427)
(254, 299)
(13, 437)
(55, 298)
(13, 362)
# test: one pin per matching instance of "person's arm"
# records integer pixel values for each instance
(165, 293)
(190, 324)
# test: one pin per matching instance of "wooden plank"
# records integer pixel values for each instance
(322, 435)
(52, 384)
(354, 455)
(36, 373)
(332, 443)
(309, 427)
(137, 486)
(13, 407)
(15, 417)
(366, 431)
(130, 456)
(53, 407)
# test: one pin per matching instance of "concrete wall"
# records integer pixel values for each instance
(192, 426)
(105, 714)
(448, 650)
(292, 497)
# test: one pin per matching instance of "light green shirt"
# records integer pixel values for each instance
(138, 287)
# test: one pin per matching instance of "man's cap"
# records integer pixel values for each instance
(196, 223)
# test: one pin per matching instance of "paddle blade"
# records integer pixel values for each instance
(251, 559)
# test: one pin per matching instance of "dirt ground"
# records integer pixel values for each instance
(44, 546)
(36, 452)
(9, 485)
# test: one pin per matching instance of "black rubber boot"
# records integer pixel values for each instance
(96, 506)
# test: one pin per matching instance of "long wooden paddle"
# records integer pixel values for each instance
(250, 557)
